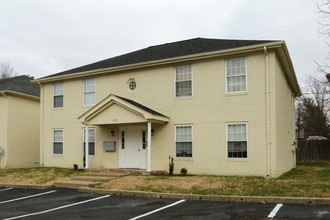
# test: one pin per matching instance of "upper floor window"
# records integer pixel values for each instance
(183, 141)
(236, 75)
(237, 140)
(58, 95)
(183, 81)
(89, 91)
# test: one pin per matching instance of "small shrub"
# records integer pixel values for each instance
(159, 173)
(183, 171)
(171, 165)
(75, 166)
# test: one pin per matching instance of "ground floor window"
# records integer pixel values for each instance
(237, 140)
(183, 141)
(91, 141)
(58, 141)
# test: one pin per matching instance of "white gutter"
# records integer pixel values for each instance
(10, 92)
(267, 112)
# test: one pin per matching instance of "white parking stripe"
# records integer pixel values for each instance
(6, 189)
(275, 210)
(54, 209)
(26, 197)
(157, 210)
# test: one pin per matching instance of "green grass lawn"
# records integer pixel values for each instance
(307, 180)
(37, 175)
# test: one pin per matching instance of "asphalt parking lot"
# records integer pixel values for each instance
(56, 203)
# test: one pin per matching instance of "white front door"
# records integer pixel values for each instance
(132, 152)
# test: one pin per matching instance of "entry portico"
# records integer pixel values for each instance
(132, 118)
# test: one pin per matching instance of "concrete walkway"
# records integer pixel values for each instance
(88, 180)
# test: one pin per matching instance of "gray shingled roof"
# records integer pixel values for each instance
(145, 108)
(164, 51)
(21, 84)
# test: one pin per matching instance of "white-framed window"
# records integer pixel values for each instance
(183, 140)
(144, 141)
(237, 140)
(89, 91)
(58, 141)
(91, 141)
(183, 81)
(58, 95)
(236, 75)
(123, 140)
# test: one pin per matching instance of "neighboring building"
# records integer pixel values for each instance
(223, 107)
(19, 122)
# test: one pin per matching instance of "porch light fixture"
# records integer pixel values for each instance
(152, 132)
(112, 133)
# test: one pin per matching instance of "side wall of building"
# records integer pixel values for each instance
(3, 130)
(23, 132)
(284, 122)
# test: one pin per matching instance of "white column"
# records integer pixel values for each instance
(86, 146)
(149, 147)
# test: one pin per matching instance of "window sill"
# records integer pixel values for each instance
(60, 108)
(236, 93)
(237, 159)
(183, 98)
(184, 158)
(58, 155)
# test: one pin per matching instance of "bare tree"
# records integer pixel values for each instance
(6, 70)
(313, 109)
(323, 8)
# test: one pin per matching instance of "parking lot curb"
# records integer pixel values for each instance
(255, 199)
(25, 186)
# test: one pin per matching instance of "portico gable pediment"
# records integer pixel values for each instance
(117, 110)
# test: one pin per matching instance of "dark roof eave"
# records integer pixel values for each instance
(55, 77)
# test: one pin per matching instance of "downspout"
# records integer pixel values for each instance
(41, 147)
(267, 112)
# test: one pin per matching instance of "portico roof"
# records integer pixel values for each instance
(118, 110)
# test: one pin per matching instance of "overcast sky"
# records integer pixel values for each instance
(42, 37)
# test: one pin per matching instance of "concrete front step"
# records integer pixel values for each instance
(119, 171)
(93, 178)
(74, 184)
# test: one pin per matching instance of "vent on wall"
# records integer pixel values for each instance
(109, 146)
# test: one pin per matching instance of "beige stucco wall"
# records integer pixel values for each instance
(3, 130)
(22, 132)
(208, 111)
(284, 122)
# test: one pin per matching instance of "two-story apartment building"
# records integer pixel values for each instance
(19, 122)
(223, 107)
